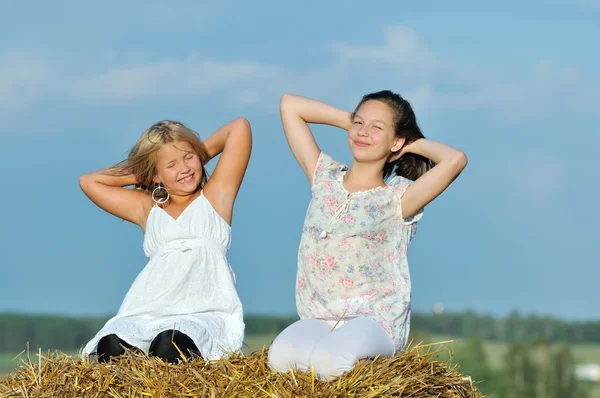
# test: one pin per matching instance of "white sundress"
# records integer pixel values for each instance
(188, 285)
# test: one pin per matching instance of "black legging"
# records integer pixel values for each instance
(163, 346)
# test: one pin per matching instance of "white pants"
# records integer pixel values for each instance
(312, 343)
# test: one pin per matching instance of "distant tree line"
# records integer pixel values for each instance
(68, 333)
(512, 329)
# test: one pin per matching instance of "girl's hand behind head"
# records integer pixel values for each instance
(408, 147)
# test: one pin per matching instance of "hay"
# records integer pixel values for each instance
(414, 373)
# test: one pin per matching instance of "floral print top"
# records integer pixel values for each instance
(352, 256)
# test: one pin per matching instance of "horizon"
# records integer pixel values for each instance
(292, 315)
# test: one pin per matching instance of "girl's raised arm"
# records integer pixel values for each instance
(106, 188)
(449, 161)
(234, 142)
(296, 113)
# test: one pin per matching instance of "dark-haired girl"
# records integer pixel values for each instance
(353, 285)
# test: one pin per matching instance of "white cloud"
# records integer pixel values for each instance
(434, 82)
(401, 47)
(23, 78)
(246, 98)
(177, 77)
(402, 60)
(26, 77)
(585, 5)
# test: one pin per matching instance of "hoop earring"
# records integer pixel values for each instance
(157, 197)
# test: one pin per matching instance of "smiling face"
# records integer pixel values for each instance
(178, 168)
(372, 136)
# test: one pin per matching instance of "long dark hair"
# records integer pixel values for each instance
(410, 165)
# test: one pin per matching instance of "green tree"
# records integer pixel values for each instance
(563, 382)
(542, 359)
(521, 372)
(536, 370)
(472, 359)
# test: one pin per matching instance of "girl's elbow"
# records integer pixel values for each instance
(285, 98)
(286, 101)
(85, 181)
(460, 160)
(243, 124)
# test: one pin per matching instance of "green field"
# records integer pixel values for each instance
(496, 350)
(583, 353)
(257, 342)
(7, 363)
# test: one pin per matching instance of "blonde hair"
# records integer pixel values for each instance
(141, 161)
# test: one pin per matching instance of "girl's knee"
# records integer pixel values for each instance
(292, 348)
(329, 364)
(171, 344)
(280, 356)
(111, 346)
(288, 353)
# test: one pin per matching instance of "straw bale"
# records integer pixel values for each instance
(413, 373)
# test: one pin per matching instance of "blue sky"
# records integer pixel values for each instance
(513, 84)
